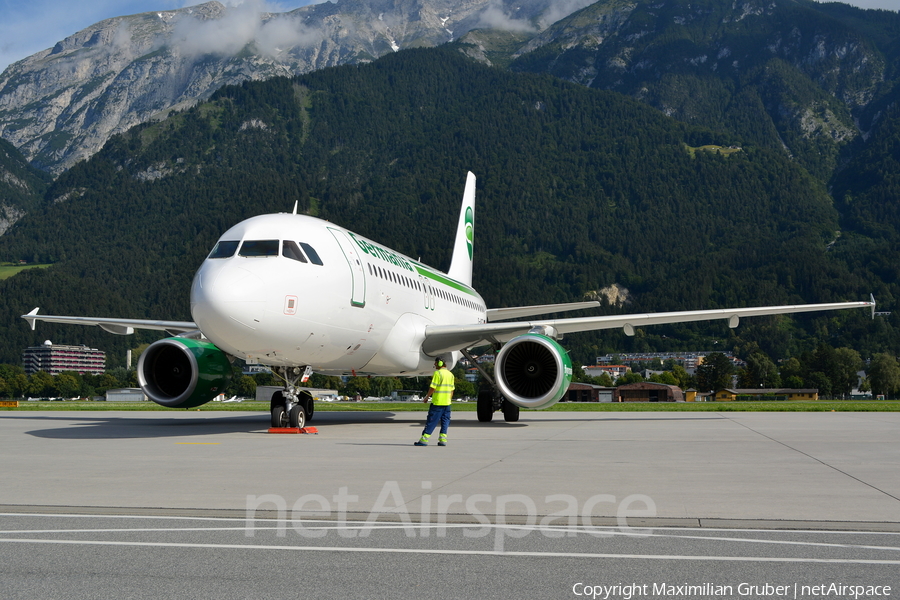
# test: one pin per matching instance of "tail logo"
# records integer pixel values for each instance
(470, 230)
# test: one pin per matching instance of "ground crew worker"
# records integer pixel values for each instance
(440, 393)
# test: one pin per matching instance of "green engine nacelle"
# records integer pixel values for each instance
(183, 373)
(533, 371)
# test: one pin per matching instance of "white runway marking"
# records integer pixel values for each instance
(325, 525)
(591, 555)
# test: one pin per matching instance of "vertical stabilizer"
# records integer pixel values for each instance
(461, 263)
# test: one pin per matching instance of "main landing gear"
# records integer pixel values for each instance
(490, 400)
(291, 407)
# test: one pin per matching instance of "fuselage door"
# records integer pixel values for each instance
(427, 291)
(357, 273)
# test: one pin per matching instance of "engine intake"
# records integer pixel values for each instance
(533, 371)
(183, 373)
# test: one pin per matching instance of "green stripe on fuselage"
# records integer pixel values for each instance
(446, 281)
(401, 261)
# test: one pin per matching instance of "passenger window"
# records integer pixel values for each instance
(224, 249)
(311, 253)
(290, 250)
(255, 248)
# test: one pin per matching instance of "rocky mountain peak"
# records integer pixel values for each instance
(61, 105)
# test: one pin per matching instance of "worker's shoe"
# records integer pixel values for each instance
(420, 444)
(442, 443)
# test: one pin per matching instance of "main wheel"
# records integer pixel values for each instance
(279, 417)
(298, 416)
(306, 400)
(485, 407)
(510, 411)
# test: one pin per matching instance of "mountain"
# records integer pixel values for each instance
(799, 76)
(60, 106)
(581, 191)
(804, 77)
(21, 186)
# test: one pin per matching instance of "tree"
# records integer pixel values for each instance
(67, 384)
(17, 384)
(761, 372)
(383, 386)
(714, 373)
(41, 384)
(684, 379)
(820, 381)
(884, 375)
(362, 385)
(266, 379)
(629, 377)
(847, 364)
(604, 379)
(665, 377)
(792, 373)
(243, 386)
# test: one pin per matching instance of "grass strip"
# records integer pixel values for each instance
(775, 406)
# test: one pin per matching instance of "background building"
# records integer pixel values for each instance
(55, 359)
(585, 392)
(646, 391)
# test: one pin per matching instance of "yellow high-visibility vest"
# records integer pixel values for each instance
(443, 384)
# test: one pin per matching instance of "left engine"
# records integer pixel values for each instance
(533, 371)
(182, 372)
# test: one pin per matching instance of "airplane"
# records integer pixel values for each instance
(301, 295)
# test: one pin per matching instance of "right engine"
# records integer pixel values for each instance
(533, 371)
(182, 372)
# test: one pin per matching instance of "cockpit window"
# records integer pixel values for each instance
(252, 248)
(224, 249)
(290, 250)
(311, 253)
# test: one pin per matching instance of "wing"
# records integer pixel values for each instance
(517, 312)
(447, 338)
(117, 326)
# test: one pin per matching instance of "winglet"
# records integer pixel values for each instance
(872, 296)
(33, 320)
(461, 263)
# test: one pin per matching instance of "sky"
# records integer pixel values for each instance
(29, 26)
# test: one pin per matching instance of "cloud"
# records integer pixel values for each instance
(495, 17)
(561, 9)
(242, 24)
(30, 26)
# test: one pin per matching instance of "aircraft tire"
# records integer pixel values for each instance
(485, 406)
(306, 400)
(279, 417)
(510, 411)
(298, 416)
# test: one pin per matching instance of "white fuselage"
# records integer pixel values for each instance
(363, 310)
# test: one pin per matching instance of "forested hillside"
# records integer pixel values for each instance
(803, 77)
(21, 185)
(578, 189)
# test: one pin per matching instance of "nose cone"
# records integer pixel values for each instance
(227, 303)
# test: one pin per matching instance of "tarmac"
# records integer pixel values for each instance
(813, 470)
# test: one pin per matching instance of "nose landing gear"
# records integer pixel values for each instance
(291, 407)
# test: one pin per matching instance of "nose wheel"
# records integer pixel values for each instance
(297, 417)
(279, 417)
